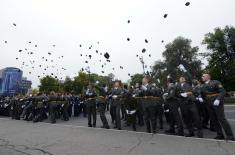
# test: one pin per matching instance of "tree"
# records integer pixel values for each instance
(159, 72)
(48, 84)
(179, 52)
(68, 85)
(136, 78)
(221, 55)
(80, 82)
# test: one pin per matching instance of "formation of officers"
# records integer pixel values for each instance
(188, 107)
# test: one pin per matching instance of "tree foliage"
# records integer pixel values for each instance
(179, 52)
(221, 55)
(48, 84)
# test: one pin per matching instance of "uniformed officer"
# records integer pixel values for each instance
(64, 105)
(173, 104)
(102, 101)
(53, 106)
(91, 105)
(38, 108)
(151, 99)
(213, 93)
(15, 108)
(117, 95)
(131, 108)
(139, 106)
(201, 107)
(188, 108)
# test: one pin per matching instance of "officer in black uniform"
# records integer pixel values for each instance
(15, 108)
(151, 99)
(139, 107)
(201, 107)
(64, 106)
(173, 105)
(188, 108)
(53, 99)
(117, 96)
(213, 93)
(102, 101)
(91, 105)
(39, 113)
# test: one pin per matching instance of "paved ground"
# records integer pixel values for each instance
(70, 138)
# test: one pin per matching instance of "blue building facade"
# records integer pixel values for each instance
(10, 81)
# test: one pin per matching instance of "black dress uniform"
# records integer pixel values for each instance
(15, 108)
(139, 107)
(117, 95)
(189, 109)
(131, 109)
(151, 99)
(91, 106)
(213, 93)
(64, 106)
(102, 102)
(39, 108)
(175, 118)
(53, 107)
(201, 107)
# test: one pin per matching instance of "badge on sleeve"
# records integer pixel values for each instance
(220, 86)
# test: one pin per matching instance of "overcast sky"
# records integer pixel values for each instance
(69, 23)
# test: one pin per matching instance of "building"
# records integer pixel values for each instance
(11, 81)
(25, 86)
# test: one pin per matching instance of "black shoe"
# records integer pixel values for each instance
(200, 134)
(230, 138)
(205, 127)
(94, 125)
(180, 134)
(219, 137)
(119, 128)
(170, 131)
(89, 125)
(191, 134)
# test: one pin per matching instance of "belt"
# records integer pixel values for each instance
(189, 93)
(212, 95)
(152, 97)
(91, 98)
(101, 97)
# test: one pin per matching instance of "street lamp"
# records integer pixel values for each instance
(142, 62)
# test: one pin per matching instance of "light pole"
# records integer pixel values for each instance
(142, 62)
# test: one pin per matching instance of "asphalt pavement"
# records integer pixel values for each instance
(19, 137)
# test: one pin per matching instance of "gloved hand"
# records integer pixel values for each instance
(165, 94)
(114, 96)
(143, 88)
(200, 99)
(216, 102)
(184, 94)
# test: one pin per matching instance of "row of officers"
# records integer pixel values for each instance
(188, 108)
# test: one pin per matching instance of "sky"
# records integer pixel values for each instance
(103, 25)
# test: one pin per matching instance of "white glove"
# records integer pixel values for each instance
(114, 96)
(165, 94)
(143, 88)
(200, 99)
(216, 102)
(184, 94)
